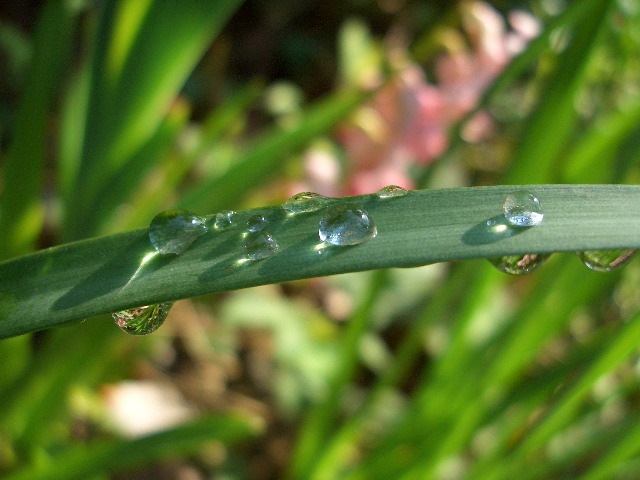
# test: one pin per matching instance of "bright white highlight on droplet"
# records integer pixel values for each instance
(523, 209)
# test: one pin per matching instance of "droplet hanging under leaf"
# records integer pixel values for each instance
(519, 264)
(142, 320)
(606, 260)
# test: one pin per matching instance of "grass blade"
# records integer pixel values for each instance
(75, 281)
(550, 125)
(109, 457)
(22, 209)
(135, 77)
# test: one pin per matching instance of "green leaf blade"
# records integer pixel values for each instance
(102, 275)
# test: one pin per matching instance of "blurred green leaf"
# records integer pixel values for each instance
(137, 70)
(268, 154)
(22, 210)
(588, 158)
(548, 128)
(121, 455)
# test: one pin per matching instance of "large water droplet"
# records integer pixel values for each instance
(346, 224)
(522, 209)
(224, 219)
(260, 245)
(519, 264)
(173, 231)
(391, 191)
(606, 260)
(305, 202)
(256, 223)
(142, 320)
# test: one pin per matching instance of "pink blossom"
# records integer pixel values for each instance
(408, 121)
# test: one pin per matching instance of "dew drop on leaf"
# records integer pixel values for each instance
(305, 202)
(523, 209)
(346, 224)
(256, 223)
(391, 191)
(223, 220)
(606, 260)
(519, 264)
(142, 320)
(173, 231)
(260, 245)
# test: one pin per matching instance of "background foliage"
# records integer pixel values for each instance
(112, 111)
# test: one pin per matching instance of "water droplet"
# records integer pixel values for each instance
(606, 260)
(519, 264)
(346, 225)
(522, 209)
(305, 202)
(260, 245)
(391, 191)
(142, 320)
(173, 231)
(224, 220)
(256, 223)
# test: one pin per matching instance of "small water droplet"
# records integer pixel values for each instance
(223, 220)
(519, 264)
(606, 260)
(305, 202)
(173, 231)
(142, 320)
(256, 223)
(346, 224)
(260, 245)
(522, 209)
(391, 191)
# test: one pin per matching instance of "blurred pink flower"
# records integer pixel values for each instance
(408, 121)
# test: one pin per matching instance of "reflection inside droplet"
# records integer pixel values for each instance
(519, 264)
(142, 320)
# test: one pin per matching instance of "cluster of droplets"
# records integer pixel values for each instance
(341, 225)
(523, 210)
(258, 243)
